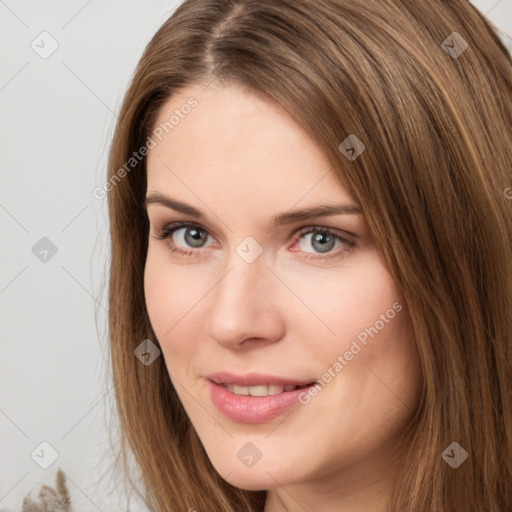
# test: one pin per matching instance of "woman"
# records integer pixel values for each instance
(312, 260)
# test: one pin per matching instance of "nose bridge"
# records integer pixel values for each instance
(248, 273)
(241, 306)
(240, 289)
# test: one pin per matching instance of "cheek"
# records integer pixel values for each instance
(352, 302)
(380, 381)
(170, 293)
(159, 300)
(177, 300)
(369, 358)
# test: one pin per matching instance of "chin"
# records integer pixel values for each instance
(243, 479)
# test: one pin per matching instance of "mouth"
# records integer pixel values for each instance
(253, 399)
(262, 389)
(257, 384)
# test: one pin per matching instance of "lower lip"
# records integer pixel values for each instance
(253, 409)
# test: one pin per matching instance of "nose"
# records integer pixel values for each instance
(245, 307)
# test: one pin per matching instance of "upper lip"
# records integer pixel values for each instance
(256, 379)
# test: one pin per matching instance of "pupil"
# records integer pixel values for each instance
(195, 237)
(326, 242)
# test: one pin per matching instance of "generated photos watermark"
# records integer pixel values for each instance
(152, 141)
(356, 346)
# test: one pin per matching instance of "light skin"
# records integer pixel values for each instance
(240, 159)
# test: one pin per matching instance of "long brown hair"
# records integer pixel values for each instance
(427, 87)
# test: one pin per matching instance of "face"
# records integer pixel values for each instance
(262, 273)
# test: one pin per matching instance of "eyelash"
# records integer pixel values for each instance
(167, 231)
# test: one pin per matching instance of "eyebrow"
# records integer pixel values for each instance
(279, 219)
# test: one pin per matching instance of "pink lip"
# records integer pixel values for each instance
(255, 379)
(253, 409)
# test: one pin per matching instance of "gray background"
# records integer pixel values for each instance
(57, 119)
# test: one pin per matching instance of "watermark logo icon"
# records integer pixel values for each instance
(45, 45)
(249, 249)
(352, 147)
(454, 455)
(454, 45)
(44, 455)
(147, 352)
(249, 455)
(44, 250)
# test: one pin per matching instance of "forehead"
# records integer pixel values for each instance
(234, 144)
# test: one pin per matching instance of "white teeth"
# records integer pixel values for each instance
(240, 390)
(263, 390)
(275, 389)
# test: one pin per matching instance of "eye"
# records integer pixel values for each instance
(184, 237)
(321, 241)
(192, 236)
(318, 241)
(188, 239)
